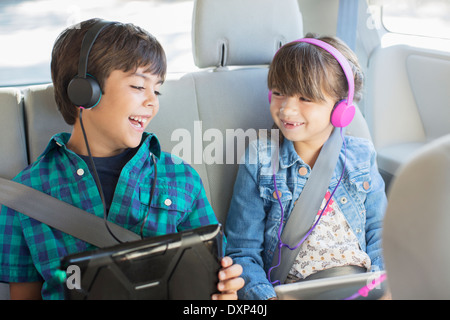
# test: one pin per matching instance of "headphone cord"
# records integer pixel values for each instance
(280, 243)
(152, 190)
(97, 179)
(100, 189)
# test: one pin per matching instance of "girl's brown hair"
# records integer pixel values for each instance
(308, 70)
(118, 47)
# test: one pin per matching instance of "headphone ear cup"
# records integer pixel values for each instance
(84, 92)
(342, 114)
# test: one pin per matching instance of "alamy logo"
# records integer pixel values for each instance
(213, 146)
(73, 280)
(373, 17)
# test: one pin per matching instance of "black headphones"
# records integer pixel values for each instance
(84, 90)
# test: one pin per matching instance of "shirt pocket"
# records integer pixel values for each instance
(270, 198)
(167, 208)
(360, 184)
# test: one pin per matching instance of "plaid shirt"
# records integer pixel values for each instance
(31, 251)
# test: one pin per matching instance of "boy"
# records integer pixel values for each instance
(129, 65)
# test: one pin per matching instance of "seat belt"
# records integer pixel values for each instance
(308, 204)
(61, 215)
(348, 22)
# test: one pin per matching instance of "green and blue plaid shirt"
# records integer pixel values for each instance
(31, 251)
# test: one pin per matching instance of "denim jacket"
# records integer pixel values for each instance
(254, 215)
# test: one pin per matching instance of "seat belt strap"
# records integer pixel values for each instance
(308, 204)
(348, 22)
(61, 215)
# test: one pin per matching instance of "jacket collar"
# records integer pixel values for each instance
(288, 155)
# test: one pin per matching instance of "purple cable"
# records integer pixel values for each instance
(280, 243)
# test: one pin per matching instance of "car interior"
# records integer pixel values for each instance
(404, 112)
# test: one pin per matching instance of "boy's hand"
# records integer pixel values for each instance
(229, 280)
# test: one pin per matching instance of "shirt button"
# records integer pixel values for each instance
(358, 230)
(343, 200)
(80, 172)
(303, 171)
(168, 202)
(275, 194)
(366, 185)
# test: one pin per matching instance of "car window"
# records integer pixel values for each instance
(28, 30)
(430, 18)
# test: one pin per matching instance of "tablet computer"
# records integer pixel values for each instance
(176, 266)
(333, 288)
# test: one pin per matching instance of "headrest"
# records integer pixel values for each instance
(236, 32)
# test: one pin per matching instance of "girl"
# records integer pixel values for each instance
(306, 82)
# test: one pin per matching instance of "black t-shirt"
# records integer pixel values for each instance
(109, 169)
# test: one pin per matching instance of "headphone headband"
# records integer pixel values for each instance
(86, 46)
(343, 62)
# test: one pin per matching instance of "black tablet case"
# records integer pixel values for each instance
(171, 267)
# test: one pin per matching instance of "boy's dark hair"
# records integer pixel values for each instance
(119, 46)
(308, 70)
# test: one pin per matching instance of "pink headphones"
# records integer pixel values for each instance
(344, 110)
